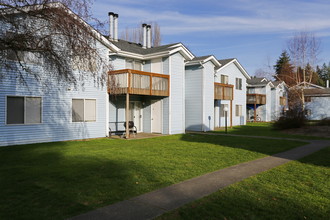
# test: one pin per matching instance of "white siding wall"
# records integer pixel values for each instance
(57, 122)
(268, 105)
(208, 96)
(193, 101)
(177, 94)
(319, 107)
(233, 72)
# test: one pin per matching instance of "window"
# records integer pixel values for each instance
(224, 79)
(238, 110)
(133, 64)
(238, 83)
(222, 112)
(23, 110)
(83, 110)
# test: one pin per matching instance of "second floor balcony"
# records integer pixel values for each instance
(258, 99)
(223, 91)
(138, 83)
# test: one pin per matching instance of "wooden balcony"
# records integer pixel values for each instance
(259, 99)
(223, 91)
(138, 83)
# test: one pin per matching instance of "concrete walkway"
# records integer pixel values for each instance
(153, 204)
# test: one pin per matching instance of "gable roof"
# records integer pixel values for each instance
(317, 92)
(307, 85)
(226, 62)
(204, 59)
(259, 82)
(130, 49)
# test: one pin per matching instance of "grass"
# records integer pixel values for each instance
(297, 190)
(264, 129)
(60, 180)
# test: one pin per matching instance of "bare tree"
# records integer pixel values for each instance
(53, 35)
(136, 34)
(304, 48)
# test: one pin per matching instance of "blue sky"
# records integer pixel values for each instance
(253, 31)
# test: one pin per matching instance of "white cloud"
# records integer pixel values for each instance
(248, 16)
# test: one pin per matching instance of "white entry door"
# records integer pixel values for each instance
(135, 108)
(156, 116)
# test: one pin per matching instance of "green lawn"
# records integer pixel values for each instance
(59, 180)
(297, 190)
(263, 129)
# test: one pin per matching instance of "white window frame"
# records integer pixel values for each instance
(240, 111)
(226, 79)
(239, 82)
(24, 123)
(84, 109)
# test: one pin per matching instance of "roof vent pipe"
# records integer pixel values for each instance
(148, 36)
(327, 83)
(144, 43)
(111, 14)
(115, 27)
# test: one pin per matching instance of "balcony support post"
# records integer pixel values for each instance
(255, 112)
(127, 116)
(231, 113)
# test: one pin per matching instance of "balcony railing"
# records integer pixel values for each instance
(256, 99)
(223, 91)
(138, 83)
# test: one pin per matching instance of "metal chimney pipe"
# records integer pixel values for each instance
(115, 27)
(144, 43)
(148, 36)
(111, 14)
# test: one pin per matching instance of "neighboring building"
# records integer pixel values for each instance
(45, 110)
(200, 93)
(259, 99)
(230, 83)
(317, 100)
(149, 85)
(279, 99)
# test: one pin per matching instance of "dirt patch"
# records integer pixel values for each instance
(319, 131)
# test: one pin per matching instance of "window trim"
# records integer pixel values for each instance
(240, 84)
(239, 107)
(24, 123)
(84, 121)
(225, 77)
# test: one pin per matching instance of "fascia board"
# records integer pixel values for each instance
(247, 76)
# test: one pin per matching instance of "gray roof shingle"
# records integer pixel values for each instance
(137, 48)
(257, 81)
(226, 61)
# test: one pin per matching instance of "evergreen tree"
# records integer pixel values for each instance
(284, 69)
(324, 73)
(282, 61)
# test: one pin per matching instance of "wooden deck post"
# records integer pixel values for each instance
(255, 111)
(231, 113)
(127, 116)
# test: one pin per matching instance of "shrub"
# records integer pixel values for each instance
(293, 118)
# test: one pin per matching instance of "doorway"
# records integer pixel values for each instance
(156, 116)
(135, 109)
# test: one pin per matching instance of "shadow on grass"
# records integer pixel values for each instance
(264, 129)
(45, 181)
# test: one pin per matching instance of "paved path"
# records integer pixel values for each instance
(153, 204)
